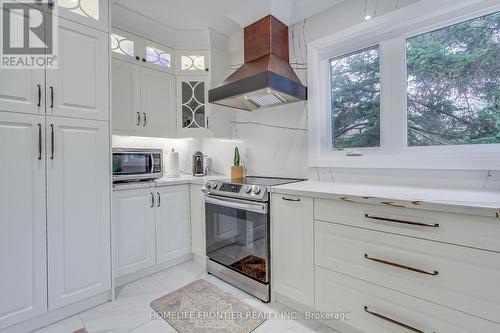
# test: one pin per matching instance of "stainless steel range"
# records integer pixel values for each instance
(238, 231)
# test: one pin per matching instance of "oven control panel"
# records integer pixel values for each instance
(232, 188)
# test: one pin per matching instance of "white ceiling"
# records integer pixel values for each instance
(224, 16)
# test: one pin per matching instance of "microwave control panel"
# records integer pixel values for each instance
(156, 163)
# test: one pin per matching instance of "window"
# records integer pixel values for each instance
(158, 57)
(355, 99)
(454, 84)
(399, 93)
(122, 45)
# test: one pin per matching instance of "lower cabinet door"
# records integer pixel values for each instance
(23, 277)
(78, 201)
(133, 231)
(370, 308)
(292, 247)
(173, 238)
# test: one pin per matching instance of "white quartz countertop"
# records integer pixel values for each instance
(483, 203)
(182, 179)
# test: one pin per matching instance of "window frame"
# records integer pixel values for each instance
(390, 32)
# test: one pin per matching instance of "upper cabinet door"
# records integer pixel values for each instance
(23, 281)
(158, 103)
(78, 209)
(192, 112)
(192, 62)
(22, 90)
(126, 97)
(159, 57)
(173, 237)
(127, 46)
(94, 13)
(79, 86)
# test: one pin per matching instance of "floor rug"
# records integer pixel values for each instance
(201, 307)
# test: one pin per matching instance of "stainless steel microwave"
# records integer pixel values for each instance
(137, 164)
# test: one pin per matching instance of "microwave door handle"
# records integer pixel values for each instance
(256, 207)
(152, 160)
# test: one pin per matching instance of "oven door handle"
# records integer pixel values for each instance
(256, 207)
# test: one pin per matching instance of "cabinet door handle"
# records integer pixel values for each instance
(52, 3)
(138, 118)
(159, 199)
(152, 200)
(395, 322)
(418, 224)
(51, 97)
(408, 268)
(39, 95)
(288, 199)
(52, 141)
(145, 120)
(40, 141)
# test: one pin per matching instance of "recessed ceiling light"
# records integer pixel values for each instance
(367, 17)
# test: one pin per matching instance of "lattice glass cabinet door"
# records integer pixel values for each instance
(192, 62)
(193, 103)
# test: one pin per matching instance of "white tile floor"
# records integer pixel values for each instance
(131, 311)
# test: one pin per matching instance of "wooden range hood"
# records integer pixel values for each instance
(266, 78)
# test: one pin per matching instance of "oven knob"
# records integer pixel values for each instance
(248, 189)
(207, 185)
(214, 185)
(256, 190)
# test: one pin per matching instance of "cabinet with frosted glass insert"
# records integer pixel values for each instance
(192, 62)
(192, 105)
(129, 47)
(93, 13)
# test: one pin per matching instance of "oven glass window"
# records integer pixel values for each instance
(238, 239)
(128, 164)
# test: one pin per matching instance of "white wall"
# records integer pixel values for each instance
(273, 142)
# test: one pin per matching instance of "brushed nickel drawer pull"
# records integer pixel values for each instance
(435, 225)
(395, 322)
(152, 200)
(40, 153)
(288, 199)
(385, 262)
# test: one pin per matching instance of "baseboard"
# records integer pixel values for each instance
(335, 324)
(120, 281)
(52, 317)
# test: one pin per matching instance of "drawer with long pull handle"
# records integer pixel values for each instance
(375, 309)
(460, 229)
(461, 278)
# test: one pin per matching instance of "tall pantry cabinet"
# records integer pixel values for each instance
(55, 173)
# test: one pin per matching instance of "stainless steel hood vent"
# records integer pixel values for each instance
(266, 78)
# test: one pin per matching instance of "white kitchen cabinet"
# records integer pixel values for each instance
(23, 281)
(198, 222)
(126, 95)
(78, 212)
(79, 86)
(93, 13)
(292, 247)
(192, 106)
(133, 230)
(23, 90)
(173, 234)
(158, 103)
(143, 101)
(370, 308)
(192, 62)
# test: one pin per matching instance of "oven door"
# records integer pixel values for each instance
(237, 235)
